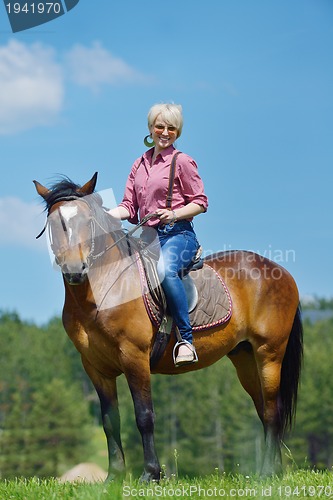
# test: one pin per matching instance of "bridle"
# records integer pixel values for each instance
(94, 223)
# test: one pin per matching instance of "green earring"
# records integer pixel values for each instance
(147, 143)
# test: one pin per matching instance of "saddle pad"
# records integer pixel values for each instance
(214, 306)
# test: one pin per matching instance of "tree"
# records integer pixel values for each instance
(58, 428)
(313, 436)
(46, 434)
(13, 438)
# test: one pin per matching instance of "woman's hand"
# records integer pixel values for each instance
(187, 212)
(166, 216)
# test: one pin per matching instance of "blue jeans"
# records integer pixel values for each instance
(178, 247)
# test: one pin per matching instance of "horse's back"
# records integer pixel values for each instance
(245, 269)
(263, 293)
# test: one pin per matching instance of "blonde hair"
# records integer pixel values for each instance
(171, 113)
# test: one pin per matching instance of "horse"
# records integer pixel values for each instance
(263, 337)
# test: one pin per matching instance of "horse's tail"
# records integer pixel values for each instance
(290, 374)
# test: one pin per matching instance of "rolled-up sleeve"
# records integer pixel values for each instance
(129, 200)
(190, 181)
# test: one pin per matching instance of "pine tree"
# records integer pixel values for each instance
(58, 432)
(43, 436)
(312, 440)
(13, 438)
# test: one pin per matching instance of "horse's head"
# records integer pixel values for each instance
(71, 225)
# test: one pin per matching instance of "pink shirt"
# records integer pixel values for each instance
(147, 186)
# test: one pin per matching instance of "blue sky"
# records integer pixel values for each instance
(255, 79)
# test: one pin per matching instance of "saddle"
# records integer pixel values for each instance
(208, 298)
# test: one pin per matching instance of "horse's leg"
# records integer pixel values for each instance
(279, 359)
(107, 392)
(269, 369)
(138, 378)
(244, 361)
(111, 425)
(261, 380)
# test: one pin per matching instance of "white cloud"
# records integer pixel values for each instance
(95, 66)
(31, 86)
(20, 223)
(32, 80)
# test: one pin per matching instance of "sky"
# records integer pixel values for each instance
(255, 79)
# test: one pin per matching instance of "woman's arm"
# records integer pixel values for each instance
(119, 213)
(188, 211)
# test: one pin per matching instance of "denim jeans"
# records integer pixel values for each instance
(178, 247)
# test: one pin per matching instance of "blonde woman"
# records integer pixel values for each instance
(148, 191)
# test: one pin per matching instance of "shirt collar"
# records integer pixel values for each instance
(165, 154)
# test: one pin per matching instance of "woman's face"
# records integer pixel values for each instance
(163, 134)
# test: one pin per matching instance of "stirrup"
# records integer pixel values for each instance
(175, 352)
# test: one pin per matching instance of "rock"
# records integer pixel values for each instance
(85, 472)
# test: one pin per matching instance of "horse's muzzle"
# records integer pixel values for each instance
(75, 278)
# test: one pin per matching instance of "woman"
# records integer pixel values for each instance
(146, 192)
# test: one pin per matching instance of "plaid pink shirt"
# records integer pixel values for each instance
(147, 187)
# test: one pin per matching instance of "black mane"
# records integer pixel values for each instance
(63, 189)
(66, 190)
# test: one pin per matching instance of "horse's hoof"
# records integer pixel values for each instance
(113, 477)
(147, 477)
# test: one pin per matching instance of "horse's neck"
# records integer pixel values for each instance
(112, 281)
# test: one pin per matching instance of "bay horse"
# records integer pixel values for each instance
(263, 337)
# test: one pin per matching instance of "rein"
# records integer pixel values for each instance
(115, 243)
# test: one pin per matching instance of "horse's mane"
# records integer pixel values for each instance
(62, 189)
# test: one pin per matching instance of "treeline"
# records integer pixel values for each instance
(44, 413)
(318, 304)
(204, 420)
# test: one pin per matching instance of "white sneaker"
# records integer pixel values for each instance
(186, 354)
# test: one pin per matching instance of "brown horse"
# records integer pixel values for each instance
(263, 337)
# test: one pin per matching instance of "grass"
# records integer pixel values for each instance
(299, 484)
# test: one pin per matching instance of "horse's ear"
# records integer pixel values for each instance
(41, 190)
(89, 186)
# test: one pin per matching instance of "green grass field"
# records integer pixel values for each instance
(296, 485)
